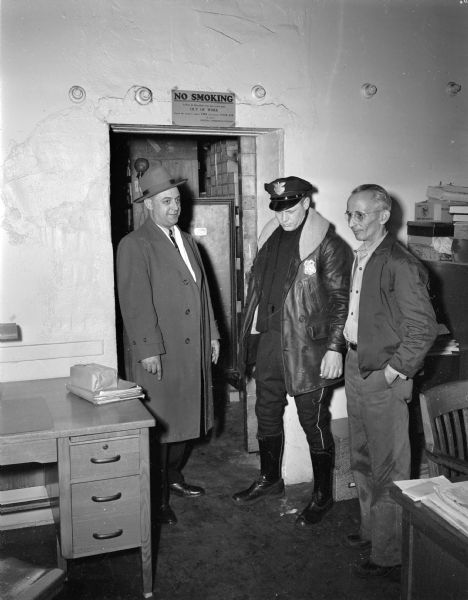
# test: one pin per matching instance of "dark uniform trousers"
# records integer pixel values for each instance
(312, 407)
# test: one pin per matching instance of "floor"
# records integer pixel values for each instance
(219, 551)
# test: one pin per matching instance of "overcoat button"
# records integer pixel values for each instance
(185, 281)
(187, 312)
(187, 340)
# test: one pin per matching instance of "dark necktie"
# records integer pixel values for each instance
(171, 235)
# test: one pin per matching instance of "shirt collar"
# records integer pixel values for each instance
(166, 229)
(365, 248)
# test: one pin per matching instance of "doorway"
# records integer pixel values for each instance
(223, 207)
(211, 213)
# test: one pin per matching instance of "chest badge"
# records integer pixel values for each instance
(310, 268)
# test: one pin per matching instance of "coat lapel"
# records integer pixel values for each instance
(165, 246)
(313, 233)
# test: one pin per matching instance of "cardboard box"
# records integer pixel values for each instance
(460, 250)
(452, 193)
(440, 243)
(430, 228)
(424, 252)
(425, 240)
(460, 231)
(432, 210)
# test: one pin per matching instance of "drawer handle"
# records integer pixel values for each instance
(107, 536)
(107, 498)
(102, 461)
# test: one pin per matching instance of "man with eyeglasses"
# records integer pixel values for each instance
(390, 327)
(292, 331)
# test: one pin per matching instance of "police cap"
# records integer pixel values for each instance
(287, 191)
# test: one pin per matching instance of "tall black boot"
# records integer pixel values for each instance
(322, 497)
(270, 482)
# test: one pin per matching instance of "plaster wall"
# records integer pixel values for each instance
(312, 58)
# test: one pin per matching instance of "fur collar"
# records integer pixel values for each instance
(313, 232)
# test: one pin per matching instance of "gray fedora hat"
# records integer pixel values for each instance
(156, 180)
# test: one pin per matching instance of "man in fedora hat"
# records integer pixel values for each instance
(292, 332)
(168, 316)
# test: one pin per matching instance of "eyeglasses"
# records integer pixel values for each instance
(359, 216)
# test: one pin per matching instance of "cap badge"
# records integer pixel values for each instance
(279, 187)
(310, 267)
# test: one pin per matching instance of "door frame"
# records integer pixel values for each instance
(268, 151)
(262, 159)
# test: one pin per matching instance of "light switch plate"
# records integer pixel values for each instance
(9, 332)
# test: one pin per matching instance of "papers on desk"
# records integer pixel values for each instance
(100, 384)
(444, 344)
(125, 390)
(451, 504)
(417, 489)
(447, 499)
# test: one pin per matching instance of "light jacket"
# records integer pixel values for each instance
(397, 324)
(315, 301)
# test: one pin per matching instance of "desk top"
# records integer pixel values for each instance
(433, 525)
(44, 409)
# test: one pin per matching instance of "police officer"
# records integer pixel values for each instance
(292, 332)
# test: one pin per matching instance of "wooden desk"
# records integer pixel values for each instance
(97, 461)
(435, 554)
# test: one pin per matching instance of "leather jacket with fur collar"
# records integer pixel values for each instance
(315, 301)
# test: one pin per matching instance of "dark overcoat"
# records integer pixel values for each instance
(167, 313)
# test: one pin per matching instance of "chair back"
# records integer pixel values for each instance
(444, 411)
(21, 580)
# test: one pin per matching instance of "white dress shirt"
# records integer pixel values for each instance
(180, 244)
(361, 258)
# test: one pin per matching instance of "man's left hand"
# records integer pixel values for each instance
(214, 351)
(332, 365)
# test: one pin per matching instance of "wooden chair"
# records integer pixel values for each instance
(444, 411)
(20, 580)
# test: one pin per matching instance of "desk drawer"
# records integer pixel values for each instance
(41, 451)
(106, 533)
(106, 515)
(114, 457)
(109, 497)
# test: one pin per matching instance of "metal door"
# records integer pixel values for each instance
(213, 227)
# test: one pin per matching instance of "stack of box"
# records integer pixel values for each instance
(222, 171)
(459, 214)
(440, 229)
(432, 209)
(430, 240)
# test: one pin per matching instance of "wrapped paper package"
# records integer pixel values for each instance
(93, 377)
(101, 385)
